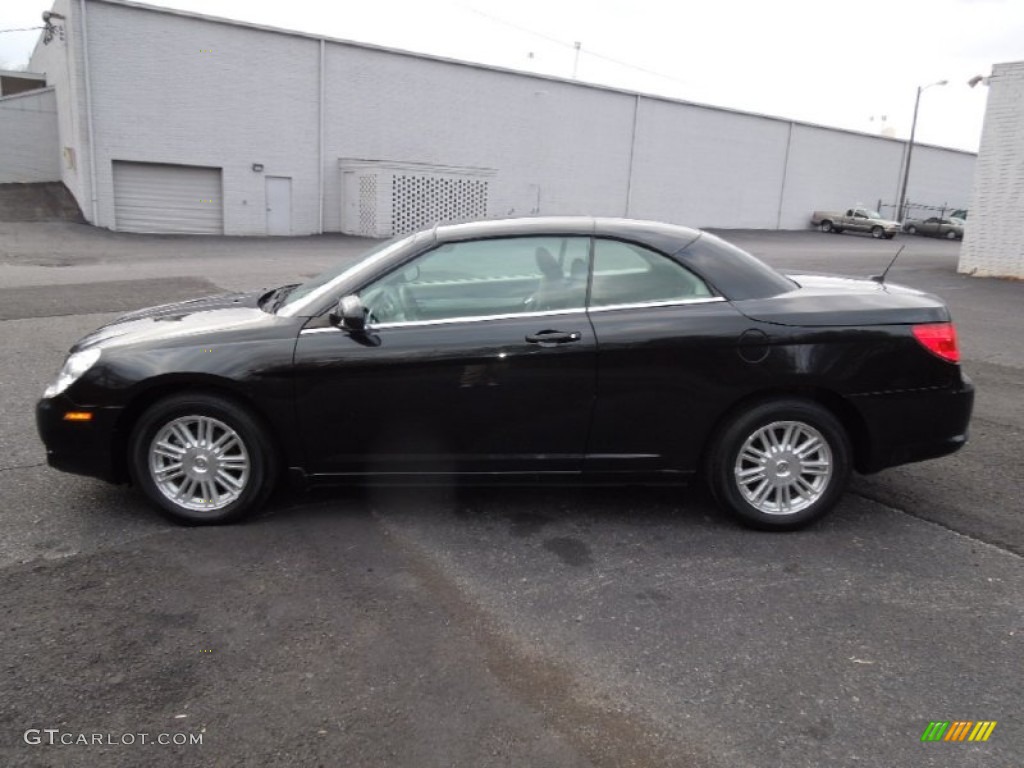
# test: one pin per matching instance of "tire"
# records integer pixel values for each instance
(777, 430)
(216, 486)
(877, 232)
(911, 230)
(951, 235)
(826, 226)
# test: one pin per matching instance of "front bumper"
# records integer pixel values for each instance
(905, 427)
(79, 447)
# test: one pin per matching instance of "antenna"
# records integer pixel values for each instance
(880, 279)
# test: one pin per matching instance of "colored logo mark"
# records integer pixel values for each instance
(958, 730)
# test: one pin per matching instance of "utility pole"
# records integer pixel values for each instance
(910, 149)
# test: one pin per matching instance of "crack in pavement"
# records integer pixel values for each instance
(23, 466)
(610, 734)
(1004, 547)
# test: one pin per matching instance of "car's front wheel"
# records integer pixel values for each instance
(951, 235)
(780, 465)
(877, 232)
(202, 459)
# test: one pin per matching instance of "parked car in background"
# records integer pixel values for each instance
(534, 349)
(934, 226)
(856, 220)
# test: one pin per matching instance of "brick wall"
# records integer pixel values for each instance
(994, 239)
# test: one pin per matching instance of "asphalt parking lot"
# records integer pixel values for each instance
(526, 627)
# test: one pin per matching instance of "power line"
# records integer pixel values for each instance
(574, 46)
(23, 29)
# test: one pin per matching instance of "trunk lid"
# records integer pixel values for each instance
(827, 300)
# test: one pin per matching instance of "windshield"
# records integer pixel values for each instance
(320, 284)
(873, 214)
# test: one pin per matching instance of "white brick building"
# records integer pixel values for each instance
(175, 122)
(994, 241)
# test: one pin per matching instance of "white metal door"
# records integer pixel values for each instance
(349, 203)
(182, 199)
(279, 205)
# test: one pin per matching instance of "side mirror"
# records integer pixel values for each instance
(350, 314)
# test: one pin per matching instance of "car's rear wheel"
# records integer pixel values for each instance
(202, 459)
(877, 232)
(911, 230)
(780, 465)
(826, 226)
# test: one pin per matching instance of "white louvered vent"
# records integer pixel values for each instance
(368, 206)
(419, 200)
(381, 198)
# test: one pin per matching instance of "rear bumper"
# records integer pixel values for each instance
(78, 447)
(904, 427)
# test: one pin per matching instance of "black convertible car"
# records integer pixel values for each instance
(601, 350)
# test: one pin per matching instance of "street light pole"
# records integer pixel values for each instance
(910, 149)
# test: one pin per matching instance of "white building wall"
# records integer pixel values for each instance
(940, 177)
(555, 147)
(172, 88)
(994, 238)
(29, 138)
(832, 170)
(706, 168)
(62, 62)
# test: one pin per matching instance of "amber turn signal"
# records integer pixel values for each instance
(77, 416)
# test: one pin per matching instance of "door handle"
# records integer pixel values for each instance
(551, 338)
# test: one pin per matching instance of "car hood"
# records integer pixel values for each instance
(209, 315)
(830, 300)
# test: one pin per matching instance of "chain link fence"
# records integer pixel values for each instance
(912, 210)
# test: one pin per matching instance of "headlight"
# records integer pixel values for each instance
(74, 367)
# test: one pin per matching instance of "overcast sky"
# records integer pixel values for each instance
(844, 64)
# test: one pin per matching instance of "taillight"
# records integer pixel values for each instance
(939, 339)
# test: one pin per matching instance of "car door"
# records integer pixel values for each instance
(667, 360)
(478, 357)
(860, 220)
(931, 226)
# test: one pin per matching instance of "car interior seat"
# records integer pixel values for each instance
(552, 288)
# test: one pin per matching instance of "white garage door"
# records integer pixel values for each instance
(183, 199)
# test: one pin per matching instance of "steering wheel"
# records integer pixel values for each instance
(410, 307)
(385, 305)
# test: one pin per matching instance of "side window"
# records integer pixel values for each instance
(625, 273)
(480, 278)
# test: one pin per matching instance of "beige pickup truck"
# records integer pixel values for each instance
(856, 220)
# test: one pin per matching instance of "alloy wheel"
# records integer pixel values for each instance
(783, 467)
(199, 463)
